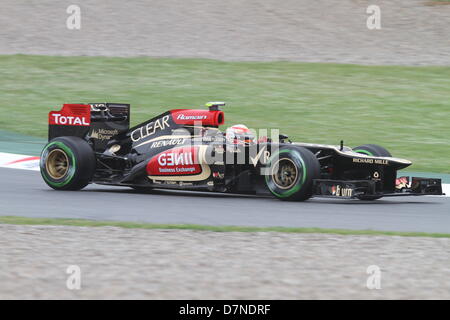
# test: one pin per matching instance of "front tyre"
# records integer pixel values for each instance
(291, 173)
(67, 163)
(372, 150)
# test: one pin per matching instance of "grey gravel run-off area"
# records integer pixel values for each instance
(175, 264)
(413, 32)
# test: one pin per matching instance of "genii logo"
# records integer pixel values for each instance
(177, 161)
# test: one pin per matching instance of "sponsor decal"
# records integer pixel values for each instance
(402, 182)
(178, 161)
(338, 191)
(59, 119)
(218, 175)
(71, 115)
(150, 128)
(376, 176)
(182, 116)
(185, 163)
(171, 159)
(371, 161)
(103, 134)
(166, 137)
(191, 116)
(165, 143)
(174, 182)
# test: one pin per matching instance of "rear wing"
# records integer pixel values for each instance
(95, 122)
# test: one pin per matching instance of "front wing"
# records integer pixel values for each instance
(351, 189)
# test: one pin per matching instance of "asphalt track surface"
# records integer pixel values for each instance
(23, 193)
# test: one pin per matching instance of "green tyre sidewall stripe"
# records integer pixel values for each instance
(364, 152)
(71, 172)
(297, 187)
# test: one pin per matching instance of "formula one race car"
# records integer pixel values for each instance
(184, 149)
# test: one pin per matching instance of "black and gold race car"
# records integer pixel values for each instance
(184, 149)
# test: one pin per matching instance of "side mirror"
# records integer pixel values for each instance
(283, 137)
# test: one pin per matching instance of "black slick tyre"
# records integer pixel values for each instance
(67, 163)
(291, 173)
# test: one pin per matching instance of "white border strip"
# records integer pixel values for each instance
(446, 189)
(19, 161)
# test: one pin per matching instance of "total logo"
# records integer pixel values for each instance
(59, 119)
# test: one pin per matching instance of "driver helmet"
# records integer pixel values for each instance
(239, 134)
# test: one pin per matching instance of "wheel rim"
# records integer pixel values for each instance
(57, 164)
(285, 173)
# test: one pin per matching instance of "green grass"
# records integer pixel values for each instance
(405, 109)
(132, 225)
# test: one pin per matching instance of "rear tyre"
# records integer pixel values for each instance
(291, 173)
(67, 163)
(372, 150)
